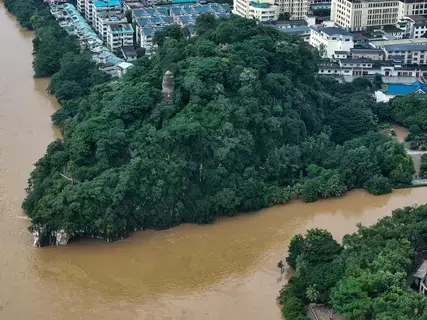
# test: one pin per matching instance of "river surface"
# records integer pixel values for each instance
(227, 270)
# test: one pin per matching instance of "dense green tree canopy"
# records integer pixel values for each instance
(366, 278)
(248, 119)
(409, 110)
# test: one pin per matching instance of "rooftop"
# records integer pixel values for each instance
(128, 51)
(356, 61)
(399, 42)
(107, 3)
(417, 18)
(260, 4)
(121, 28)
(406, 47)
(149, 31)
(295, 29)
(331, 31)
(367, 51)
(392, 29)
(402, 89)
(287, 23)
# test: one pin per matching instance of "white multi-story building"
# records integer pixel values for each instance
(81, 6)
(105, 18)
(262, 11)
(269, 10)
(414, 26)
(357, 15)
(101, 8)
(297, 9)
(331, 39)
(93, 7)
(360, 14)
(88, 10)
(319, 4)
(119, 35)
(408, 51)
(412, 7)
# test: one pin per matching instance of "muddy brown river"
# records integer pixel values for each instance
(227, 270)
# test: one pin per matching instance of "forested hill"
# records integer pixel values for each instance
(250, 125)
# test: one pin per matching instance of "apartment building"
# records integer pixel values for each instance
(119, 35)
(269, 10)
(414, 26)
(320, 4)
(408, 51)
(80, 5)
(330, 39)
(357, 15)
(262, 11)
(103, 19)
(88, 10)
(412, 7)
(105, 8)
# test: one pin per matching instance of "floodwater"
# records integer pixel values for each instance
(227, 270)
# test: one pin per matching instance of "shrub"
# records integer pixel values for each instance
(378, 185)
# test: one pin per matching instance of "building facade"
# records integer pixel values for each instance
(330, 39)
(358, 15)
(412, 7)
(103, 8)
(262, 11)
(80, 5)
(103, 19)
(298, 9)
(373, 54)
(410, 53)
(88, 10)
(414, 26)
(119, 35)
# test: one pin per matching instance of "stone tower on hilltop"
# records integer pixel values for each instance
(168, 86)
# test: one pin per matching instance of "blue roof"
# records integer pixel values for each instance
(107, 3)
(402, 89)
(260, 4)
(113, 60)
(105, 54)
(405, 47)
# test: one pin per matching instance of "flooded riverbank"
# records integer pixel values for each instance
(227, 270)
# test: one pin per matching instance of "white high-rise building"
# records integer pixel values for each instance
(359, 14)
(88, 10)
(81, 6)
